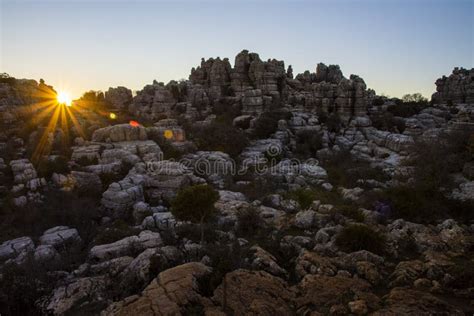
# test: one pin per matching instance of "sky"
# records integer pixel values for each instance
(397, 46)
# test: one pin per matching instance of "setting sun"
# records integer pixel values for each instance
(64, 98)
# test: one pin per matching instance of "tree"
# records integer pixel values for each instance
(415, 97)
(195, 204)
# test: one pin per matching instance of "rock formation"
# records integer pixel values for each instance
(456, 88)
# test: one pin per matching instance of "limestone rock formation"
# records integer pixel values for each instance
(456, 88)
(255, 293)
(168, 294)
(118, 98)
(119, 133)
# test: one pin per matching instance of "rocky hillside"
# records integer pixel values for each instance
(242, 190)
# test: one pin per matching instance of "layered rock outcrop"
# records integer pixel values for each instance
(456, 88)
(255, 86)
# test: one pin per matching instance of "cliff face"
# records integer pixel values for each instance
(255, 86)
(457, 87)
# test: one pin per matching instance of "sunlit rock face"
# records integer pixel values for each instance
(456, 88)
(119, 133)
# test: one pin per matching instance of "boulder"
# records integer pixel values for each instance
(167, 294)
(11, 249)
(60, 237)
(254, 293)
(128, 245)
(305, 219)
(79, 291)
(403, 301)
(119, 133)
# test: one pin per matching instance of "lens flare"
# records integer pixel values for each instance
(113, 116)
(168, 134)
(64, 98)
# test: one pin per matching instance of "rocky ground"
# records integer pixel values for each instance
(329, 198)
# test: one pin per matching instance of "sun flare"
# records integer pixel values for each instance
(64, 98)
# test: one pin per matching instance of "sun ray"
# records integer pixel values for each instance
(75, 122)
(41, 147)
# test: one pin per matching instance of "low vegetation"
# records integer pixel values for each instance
(195, 204)
(357, 237)
(219, 136)
(267, 123)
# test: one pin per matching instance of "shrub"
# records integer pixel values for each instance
(224, 259)
(388, 122)
(117, 231)
(46, 167)
(219, 136)
(267, 123)
(86, 161)
(225, 112)
(344, 171)
(57, 208)
(22, 286)
(308, 143)
(421, 204)
(462, 273)
(435, 160)
(193, 232)
(357, 237)
(5, 78)
(255, 187)
(408, 107)
(304, 197)
(333, 123)
(351, 212)
(169, 151)
(195, 204)
(249, 222)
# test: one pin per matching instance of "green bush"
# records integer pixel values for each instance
(219, 136)
(304, 197)
(419, 204)
(357, 237)
(435, 160)
(351, 212)
(308, 143)
(195, 204)
(267, 123)
(408, 107)
(344, 171)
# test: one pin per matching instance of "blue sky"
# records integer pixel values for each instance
(398, 46)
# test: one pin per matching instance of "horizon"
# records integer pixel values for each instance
(132, 44)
